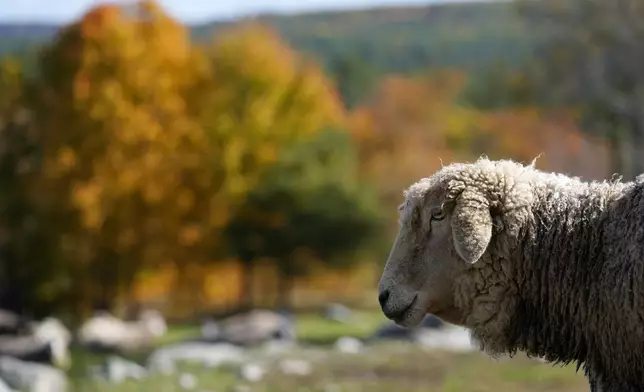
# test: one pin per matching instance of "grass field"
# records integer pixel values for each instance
(382, 367)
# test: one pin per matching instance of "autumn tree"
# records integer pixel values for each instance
(311, 205)
(262, 97)
(407, 127)
(122, 148)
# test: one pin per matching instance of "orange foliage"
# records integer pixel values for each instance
(526, 133)
(401, 131)
(413, 123)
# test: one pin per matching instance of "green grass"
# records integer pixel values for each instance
(383, 367)
(313, 328)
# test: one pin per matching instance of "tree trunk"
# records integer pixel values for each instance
(246, 295)
(11, 289)
(284, 289)
(108, 271)
(12, 297)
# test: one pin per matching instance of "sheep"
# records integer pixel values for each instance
(528, 261)
(106, 333)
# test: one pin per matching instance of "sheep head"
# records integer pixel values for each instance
(447, 223)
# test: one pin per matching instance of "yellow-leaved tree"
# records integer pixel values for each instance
(122, 145)
(262, 98)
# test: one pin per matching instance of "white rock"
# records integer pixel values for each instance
(252, 372)
(165, 366)
(256, 326)
(208, 354)
(32, 377)
(210, 330)
(4, 387)
(337, 312)
(106, 330)
(297, 367)
(277, 347)
(118, 370)
(59, 337)
(349, 345)
(187, 381)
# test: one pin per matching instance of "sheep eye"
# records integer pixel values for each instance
(438, 214)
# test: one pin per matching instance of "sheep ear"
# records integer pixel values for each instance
(471, 225)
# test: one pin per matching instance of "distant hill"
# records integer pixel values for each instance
(358, 46)
(464, 35)
(16, 37)
(392, 39)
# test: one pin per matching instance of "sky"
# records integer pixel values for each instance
(188, 11)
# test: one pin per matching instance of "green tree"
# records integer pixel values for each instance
(355, 78)
(30, 279)
(262, 98)
(498, 86)
(310, 204)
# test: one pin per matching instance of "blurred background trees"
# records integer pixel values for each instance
(589, 56)
(309, 207)
(201, 166)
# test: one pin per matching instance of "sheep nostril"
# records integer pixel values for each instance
(383, 297)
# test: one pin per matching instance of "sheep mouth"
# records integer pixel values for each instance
(409, 316)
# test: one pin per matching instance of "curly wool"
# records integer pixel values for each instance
(561, 276)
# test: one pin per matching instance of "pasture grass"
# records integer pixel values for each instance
(383, 368)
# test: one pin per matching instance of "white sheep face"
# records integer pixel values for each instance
(421, 265)
(444, 229)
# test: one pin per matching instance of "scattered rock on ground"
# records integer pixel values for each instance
(32, 377)
(117, 370)
(277, 347)
(209, 354)
(251, 372)
(256, 326)
(107, 333)
(4, 387)
(210, 330)
(188, 381)
(349, 345)
(298, 367)
(337, 312)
